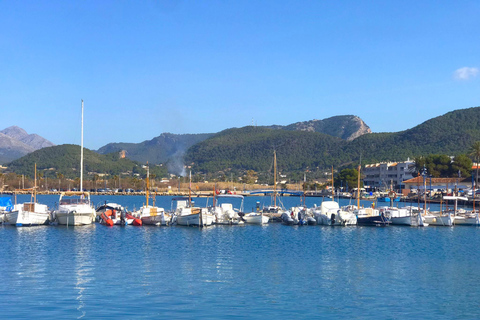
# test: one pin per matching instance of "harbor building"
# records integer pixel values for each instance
(379, 176)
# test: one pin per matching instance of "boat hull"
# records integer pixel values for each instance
(26, 218)
(256, 219)
(194, 219)
(75, 218)
(379, 220)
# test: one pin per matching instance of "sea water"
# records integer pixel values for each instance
(240, 272)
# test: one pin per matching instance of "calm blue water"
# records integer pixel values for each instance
(243, 272)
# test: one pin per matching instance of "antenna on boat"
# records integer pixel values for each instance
(81, 156)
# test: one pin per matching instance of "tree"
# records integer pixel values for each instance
(346, 177)
(462, 164)
(475, 153)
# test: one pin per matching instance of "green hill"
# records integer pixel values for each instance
(251, 147)
(65, 159)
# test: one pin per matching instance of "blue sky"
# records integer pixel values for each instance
(147, 67)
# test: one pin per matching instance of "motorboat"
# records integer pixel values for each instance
(224, 211)
(74, 209)
(330, 214)
(256, 218)
(371, 217)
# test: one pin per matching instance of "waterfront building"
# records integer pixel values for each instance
(379, 176)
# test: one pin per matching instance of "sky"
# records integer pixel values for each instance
(148, 67)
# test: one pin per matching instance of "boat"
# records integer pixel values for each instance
(406, 216)
(446, 218)
(113, 211)
(28, 213)
(224, 211)
(5, 207)
(256, 218)
(189, 215)
(150, 214)
(75, 208)
(368, 216)
(330, 214)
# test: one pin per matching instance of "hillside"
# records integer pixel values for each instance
(251, 148)
(65, 159)
(161, 149)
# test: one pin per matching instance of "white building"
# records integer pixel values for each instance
(381, 175)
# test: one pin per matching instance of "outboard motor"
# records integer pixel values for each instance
(123, 221)
(332, 219)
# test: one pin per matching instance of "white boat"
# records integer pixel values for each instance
(330, 214)
(150, 214)
(256, 218)
(407, 216)
(188, 215)
(74, 209)
(446, 218)
(156, 216)
(224, 211)
(28, 214)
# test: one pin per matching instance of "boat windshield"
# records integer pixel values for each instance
(74, 201)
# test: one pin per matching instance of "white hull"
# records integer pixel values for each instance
(75, 218)
(28, 214)
(465, 221)
(253, 218)
(408, 221)
(194, 219)
(432, 220)
(158, 220)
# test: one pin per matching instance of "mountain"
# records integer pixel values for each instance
(11, 148)
(15, 142)
(65, 159)
(251, 148)
(167, 147)
(347, 127)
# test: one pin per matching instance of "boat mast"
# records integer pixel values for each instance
(148, 182)
(81, 156)
(333, 190)
(190, 190)
(275, 179)
(35, 185)
(358, 188)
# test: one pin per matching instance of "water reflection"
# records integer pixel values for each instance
(84, 262)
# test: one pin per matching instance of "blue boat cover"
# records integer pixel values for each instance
(7, 203)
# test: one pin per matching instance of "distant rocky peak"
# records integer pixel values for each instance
(15, 132)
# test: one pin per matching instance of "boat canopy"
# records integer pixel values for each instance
(6, 203)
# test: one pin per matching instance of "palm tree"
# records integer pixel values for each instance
(475, 153)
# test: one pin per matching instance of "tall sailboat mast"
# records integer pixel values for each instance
(148, 182)
(35, 185)
(358, 188)
(275, 179)
(81, 156)
(333, 188)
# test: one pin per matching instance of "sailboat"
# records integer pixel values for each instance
(150, 214)
(29, 213)
(368, 216)
(75, 208)
(189, 215)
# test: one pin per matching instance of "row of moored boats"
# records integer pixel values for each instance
(76, 208)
